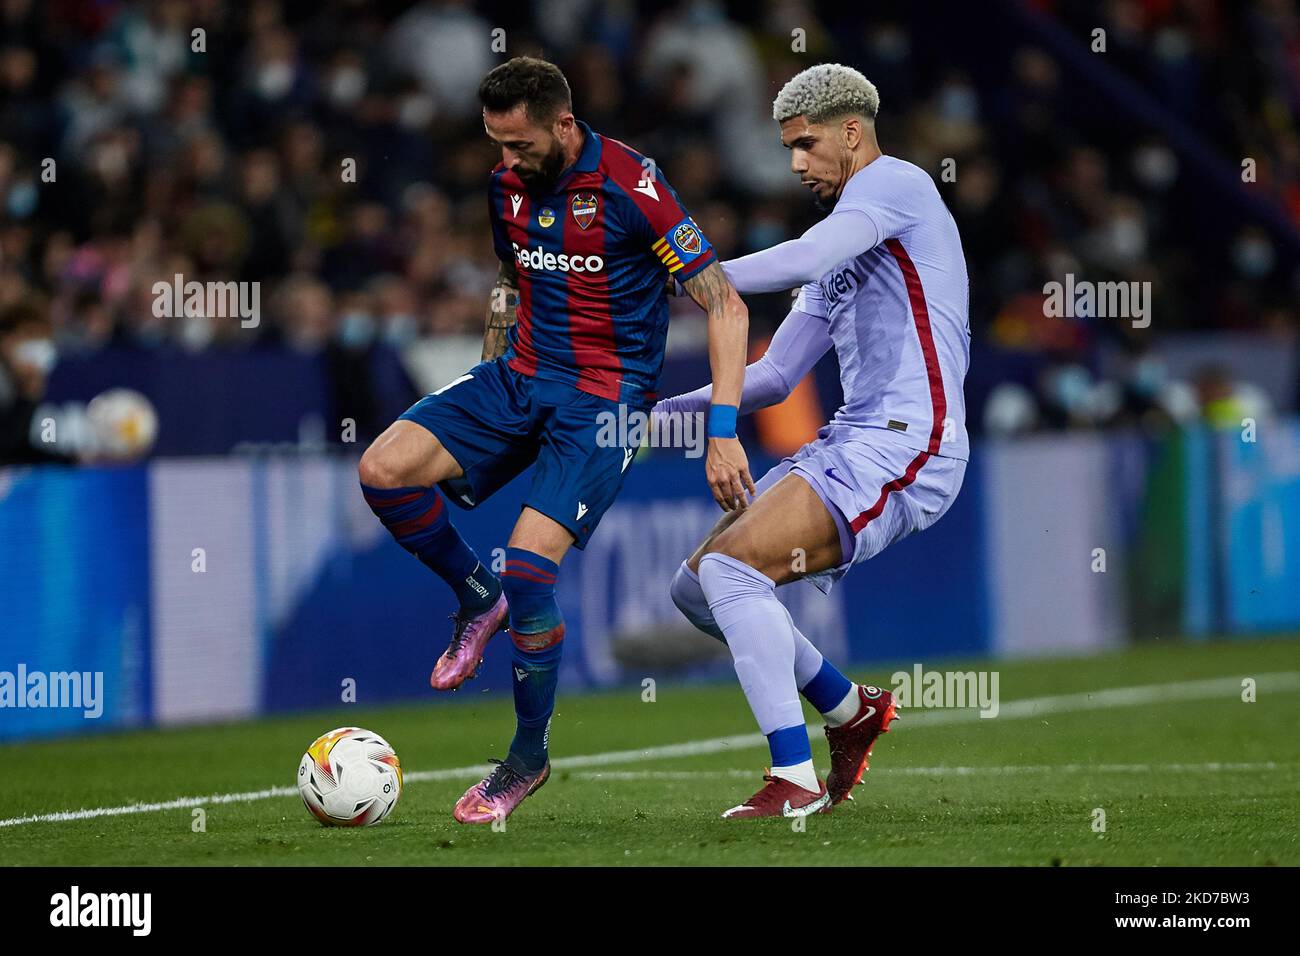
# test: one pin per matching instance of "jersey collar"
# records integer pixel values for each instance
(588, 159)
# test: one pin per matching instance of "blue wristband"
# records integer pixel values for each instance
(722, 421)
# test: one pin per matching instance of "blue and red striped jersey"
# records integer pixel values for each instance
(593, 256)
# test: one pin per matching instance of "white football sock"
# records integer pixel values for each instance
(801, 774)
(845, 710)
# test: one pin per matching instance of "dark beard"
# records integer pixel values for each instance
(825, 205)
(542, 181)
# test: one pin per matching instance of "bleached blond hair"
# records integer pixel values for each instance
(826, 91)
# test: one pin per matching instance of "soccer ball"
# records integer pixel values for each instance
(350, 778)
(124, 422)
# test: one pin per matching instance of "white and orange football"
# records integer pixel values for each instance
(350, 777)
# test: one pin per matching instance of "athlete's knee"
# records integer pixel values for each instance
(406, 456)
(739, 546)
(728, 544)
(380, 468)
(689, 597)
(718, 530)
(731, 536)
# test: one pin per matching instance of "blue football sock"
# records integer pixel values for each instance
(417, 518)
(537, 631)
(827, 688)
(789, 746)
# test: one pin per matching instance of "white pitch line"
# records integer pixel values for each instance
(1031, 707)
(179, 803)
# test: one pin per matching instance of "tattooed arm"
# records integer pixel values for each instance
(501, 312)
(726, 466)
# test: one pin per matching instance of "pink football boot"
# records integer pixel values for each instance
(465, 652)
(496, 795)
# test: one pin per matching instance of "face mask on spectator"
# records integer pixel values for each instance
(1128, 237)
(1156, 167)
(959, 104)
(1253, 257)
(1069, 387)
(274, 79)
(347, 86)
(415, 112)
(1148, 377)
(39, 354)
(22, 200)
(356, 330)
(400, 329)
(196, 331)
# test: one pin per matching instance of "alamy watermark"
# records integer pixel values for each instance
(213, 300)
(1103, 300)
(75, 908)
(79, 690)
(921, 688)
(631, 429)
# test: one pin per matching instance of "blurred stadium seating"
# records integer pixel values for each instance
(226, 164)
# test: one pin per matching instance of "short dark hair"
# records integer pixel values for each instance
(539, 85)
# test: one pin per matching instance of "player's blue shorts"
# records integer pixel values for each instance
(496, 422)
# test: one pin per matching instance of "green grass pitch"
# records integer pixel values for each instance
(1198, 779)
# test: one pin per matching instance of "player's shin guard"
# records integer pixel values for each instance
(417, 518)
(761, 638)
(537, 630)
(820, 682)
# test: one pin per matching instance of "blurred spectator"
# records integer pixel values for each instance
(333, 153)
(1226, 402)
(446, 44)
(27, 354)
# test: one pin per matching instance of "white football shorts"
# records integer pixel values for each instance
(877, 489)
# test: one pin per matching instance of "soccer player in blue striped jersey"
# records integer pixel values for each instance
(587, 231)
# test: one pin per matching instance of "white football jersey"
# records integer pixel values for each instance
(898, 313)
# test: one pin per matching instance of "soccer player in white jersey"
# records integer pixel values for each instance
(883, 282)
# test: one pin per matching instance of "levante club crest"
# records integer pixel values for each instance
(584, 209)
(687, 239)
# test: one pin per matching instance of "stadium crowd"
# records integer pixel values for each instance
(223, 155)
